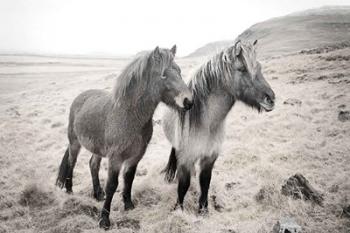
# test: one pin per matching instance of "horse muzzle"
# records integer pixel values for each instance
(268, 104)
(187, 104)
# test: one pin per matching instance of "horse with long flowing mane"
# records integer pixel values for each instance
(118, 124)
(232, 75)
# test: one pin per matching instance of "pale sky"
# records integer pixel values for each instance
(113, 27)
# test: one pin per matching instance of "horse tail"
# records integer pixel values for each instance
(63, 170)
(171, 167)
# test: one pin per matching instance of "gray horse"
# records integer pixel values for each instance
(118, 125)
(232, 75)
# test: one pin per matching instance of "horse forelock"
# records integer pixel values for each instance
(167, 58)
(249, 59)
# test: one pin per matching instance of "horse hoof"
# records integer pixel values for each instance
(104, 223)
(177, 205)
(60, 184)
(203, 212)
(129, 206)
(169, 178)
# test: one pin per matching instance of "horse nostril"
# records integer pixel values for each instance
(269, 100)
(187, 104)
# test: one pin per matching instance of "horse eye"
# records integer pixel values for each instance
(242, 69)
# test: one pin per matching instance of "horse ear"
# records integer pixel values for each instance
(156, 52)
(255, 42)
(238, 48)
(226, 57)
(173, 50)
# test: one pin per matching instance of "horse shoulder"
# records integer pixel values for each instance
(170, 124)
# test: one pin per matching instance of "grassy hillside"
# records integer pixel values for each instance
(294, 32)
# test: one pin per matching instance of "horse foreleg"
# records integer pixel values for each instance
(170, 168)
(134, 155)
(206, 166)
(111, 186)
(129, 176)
(94, 163)
(184, 176)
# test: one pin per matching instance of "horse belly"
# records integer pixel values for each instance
(92, 146)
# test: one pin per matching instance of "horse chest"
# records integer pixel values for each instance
(202, 144)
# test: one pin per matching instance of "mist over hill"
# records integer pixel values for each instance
(294, 32)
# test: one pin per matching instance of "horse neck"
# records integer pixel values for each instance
(214, 105)
(145, 109)
(217, 106)
(141, 109)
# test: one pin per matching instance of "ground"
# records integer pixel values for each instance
(304, 134)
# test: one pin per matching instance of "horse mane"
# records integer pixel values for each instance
(135, 79)
(209, 75)
(205, 78)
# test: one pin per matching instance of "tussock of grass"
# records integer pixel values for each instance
(75, 206)
(34, 197)
(73, 224)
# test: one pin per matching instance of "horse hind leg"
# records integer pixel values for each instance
(171, 167)
(63, 170)
(94, 163)
(65, 174)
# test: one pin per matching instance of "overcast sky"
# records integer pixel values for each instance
(124, 27)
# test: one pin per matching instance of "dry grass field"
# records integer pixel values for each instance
(303, 134)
